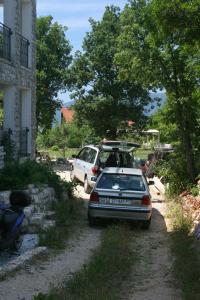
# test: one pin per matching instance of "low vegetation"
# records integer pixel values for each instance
(68, 213)
(187, 261)
(67, 209)
(102, 278)
(17, 175)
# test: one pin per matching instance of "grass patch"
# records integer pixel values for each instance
(68, 213)
(103, 277)
(187, 261)
(142, 153)
(59, 153)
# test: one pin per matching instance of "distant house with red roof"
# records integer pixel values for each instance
(67, 115)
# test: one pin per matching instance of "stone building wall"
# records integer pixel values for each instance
(16, 80)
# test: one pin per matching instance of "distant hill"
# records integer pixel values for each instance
(153, 107)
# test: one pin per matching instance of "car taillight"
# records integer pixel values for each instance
(146, 200)
(94, 196)
(95, 170)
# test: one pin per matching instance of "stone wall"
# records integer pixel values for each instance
(39, 214)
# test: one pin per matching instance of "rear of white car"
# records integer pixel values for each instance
(121, 193)
(92, 159)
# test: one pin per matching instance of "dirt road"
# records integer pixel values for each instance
(150, 280)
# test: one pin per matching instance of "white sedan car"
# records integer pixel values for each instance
(121, 193)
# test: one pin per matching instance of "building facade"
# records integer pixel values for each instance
(18, 74)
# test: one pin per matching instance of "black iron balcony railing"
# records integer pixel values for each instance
(5, 42)
(24, 141)
(24, 45)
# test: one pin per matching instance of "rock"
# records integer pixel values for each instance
(28, 211)
(37, 219)
(50, 215)
(48, 224)
(5, 197)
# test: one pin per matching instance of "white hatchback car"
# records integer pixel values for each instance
(121, 193)
(92, 159)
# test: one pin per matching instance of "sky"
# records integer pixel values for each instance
(75, 15)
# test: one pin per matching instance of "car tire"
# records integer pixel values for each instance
(146, 224)
(87, 188)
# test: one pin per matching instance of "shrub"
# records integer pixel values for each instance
(173, 170)
(55, 148)
(18, 176)
(194, 190)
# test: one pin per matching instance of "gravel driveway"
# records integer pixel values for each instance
(151, 280)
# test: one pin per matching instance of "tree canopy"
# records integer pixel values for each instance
(52, 59)
(155, 47)
(102, 100)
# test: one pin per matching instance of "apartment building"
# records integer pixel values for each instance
(17, 74)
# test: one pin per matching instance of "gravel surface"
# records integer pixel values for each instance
(151, 279)
(42, 276)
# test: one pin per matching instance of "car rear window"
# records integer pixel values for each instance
(115, 159)
(121, 182)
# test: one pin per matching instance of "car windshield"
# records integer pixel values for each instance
(121, 182)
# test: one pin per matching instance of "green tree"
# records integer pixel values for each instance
(163, 121)
(62, 136)
(153, 48)
(53, 58)
(103, 101)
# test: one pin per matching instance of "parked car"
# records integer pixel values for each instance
(92, 159)
(121, 193)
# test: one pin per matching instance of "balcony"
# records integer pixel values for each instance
(24, 44)
(5, 42)
(5, 45)
(23, 151)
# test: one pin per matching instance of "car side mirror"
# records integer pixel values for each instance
(151, 182)
(93, 178)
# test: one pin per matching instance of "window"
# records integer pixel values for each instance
(121, 182)
(83, 154)
(91, 155)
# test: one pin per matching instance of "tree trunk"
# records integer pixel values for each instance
(186, 140)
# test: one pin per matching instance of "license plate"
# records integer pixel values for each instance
(115, 201)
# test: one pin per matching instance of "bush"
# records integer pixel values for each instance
(173, 170)
(194, 190)
(55, 148)
(18, 176)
